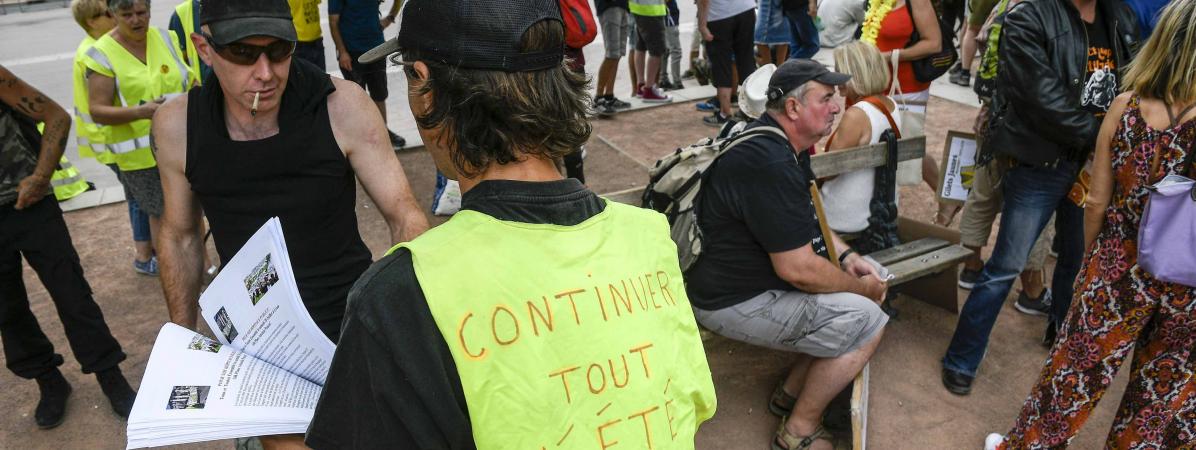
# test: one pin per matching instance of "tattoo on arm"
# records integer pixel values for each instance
(33, 106)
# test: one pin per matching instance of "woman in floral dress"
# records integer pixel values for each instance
(1147, 134)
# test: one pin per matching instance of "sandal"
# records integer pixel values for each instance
(781, 403)
(786, 441)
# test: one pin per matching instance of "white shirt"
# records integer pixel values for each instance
(846, 198)
(722, 9)
(840, 19)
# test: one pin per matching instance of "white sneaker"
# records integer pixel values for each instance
(992, 441)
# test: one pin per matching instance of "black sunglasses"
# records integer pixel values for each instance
(247, 54)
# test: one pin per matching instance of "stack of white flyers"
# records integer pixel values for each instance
(264, 375)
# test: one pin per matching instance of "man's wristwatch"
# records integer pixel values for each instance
(843, 256)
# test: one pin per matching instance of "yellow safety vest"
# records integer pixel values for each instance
(306, 15)
(67, 182)
(187, 17)
(90, 137)
(650, 8)
(568, 336)
(163, 73)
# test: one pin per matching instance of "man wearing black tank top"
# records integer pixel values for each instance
(273, 136)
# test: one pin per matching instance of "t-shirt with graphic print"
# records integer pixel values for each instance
(1100, 78)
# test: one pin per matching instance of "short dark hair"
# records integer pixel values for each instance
(494, 117)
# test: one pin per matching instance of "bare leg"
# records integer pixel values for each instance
(652, 73)
(1032, 282)
(143, 250)
(763, 56)
(824, 380)
(969, 47)
(973, 262)
(724, 101)
(782, 53)
(636, 64)
(797, 375)
(606, 76)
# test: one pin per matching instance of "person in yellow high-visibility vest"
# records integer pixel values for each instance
(540, 315)
(67, 182)
(96, 21)
(131, 72)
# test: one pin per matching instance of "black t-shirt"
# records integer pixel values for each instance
(755, 200)
(19, 146)
(1100, 78)
(393, 382)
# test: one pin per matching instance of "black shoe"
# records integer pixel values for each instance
(397, 141)
(687, 75)
(957, 383)
(1040, 306)
(617, 104)
(1048, 339)
(605, 111)
(51, 409)
(116, 388)
(715, 120)
(968, 277)
(961, 78)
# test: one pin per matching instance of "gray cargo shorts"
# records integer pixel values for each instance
(819, 325)
(616, 27)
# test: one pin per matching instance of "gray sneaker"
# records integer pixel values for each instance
(1040, 306)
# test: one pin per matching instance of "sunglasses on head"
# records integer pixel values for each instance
(248, 54)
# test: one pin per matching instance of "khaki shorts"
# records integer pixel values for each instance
(819, 325)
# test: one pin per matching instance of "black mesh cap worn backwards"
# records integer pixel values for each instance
(799, 71)
(472, 34)
(233, 20)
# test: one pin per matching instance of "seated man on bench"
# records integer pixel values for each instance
(764, 276)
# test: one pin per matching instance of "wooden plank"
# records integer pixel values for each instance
(908, 250)
(843, 161)
(859, 411)
(929, 263)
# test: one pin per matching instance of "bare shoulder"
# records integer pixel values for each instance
(169, 132)
(1120, 103)
(355, 121)
(347, 101)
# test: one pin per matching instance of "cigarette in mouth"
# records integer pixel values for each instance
(253, 111)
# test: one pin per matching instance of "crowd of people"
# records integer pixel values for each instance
(229, 118)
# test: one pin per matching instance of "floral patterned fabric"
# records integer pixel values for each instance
(1120, 308)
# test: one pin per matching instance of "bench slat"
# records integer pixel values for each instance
(849, 160)
(908, 250)
(927, 264)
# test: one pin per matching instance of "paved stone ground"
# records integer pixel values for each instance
(909, 408)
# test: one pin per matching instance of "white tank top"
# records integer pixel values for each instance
(845, 199)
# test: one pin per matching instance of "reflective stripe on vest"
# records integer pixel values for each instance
(651, 8)
(568, 336)
(67, 182)
(89, 136)
(187, 18)
(136, 83)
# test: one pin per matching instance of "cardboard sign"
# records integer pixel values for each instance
(958, 167)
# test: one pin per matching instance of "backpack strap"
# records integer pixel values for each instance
(749, 134)
(881, 106)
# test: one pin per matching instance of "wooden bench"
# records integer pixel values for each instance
(923, 263)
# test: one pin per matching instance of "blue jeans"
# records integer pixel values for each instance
(772, 28)
(1031, 195)
(138, 219)
(805, 35)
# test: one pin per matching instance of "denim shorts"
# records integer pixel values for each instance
(771, 27)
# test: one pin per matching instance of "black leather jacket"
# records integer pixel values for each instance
(1037, 117)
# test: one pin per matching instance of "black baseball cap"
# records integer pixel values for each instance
(233, 20)
(796, 72)
(472, 34)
